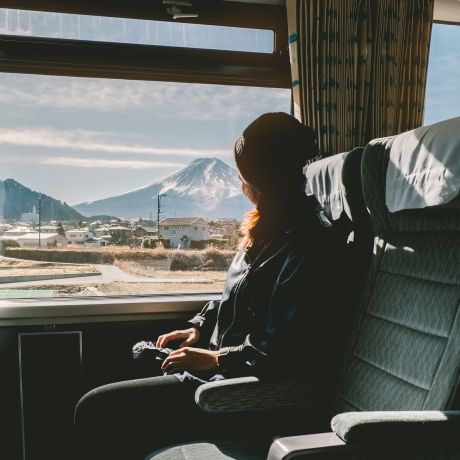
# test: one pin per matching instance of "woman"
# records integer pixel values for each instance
(272, 320)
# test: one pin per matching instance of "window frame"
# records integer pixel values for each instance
(80, 58)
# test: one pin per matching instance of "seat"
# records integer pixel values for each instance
(401, 371)
(336, 183)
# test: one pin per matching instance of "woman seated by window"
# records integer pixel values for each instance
(275, 319)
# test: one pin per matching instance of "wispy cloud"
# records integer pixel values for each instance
(102, 163)
(93, 163)
(92, 141)
(179, 101)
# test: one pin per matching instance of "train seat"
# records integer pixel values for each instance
(336, 183)
(402, 365)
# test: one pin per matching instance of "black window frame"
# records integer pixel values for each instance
(80, 58)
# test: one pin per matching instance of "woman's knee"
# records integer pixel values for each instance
(115, 401)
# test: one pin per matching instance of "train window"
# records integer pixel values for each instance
(134, 31)
(443, 94)
(89, 167)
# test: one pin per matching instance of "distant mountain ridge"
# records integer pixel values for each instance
(16, 199)
(206, 187)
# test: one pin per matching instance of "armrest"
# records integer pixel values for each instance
(246, 394)
(419, 427)
(317, 445)
(394, 434)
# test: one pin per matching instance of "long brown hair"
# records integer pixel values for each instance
(272, 215)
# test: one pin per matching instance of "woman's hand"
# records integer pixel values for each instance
(190, 359)
(189, 337)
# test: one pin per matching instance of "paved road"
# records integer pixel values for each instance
(108, 274)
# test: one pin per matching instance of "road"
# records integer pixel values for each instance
(108, 274)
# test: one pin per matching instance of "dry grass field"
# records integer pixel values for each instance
(134, 272)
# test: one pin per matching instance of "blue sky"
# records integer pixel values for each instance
(443, 86)
(80, 139)
(84, 139)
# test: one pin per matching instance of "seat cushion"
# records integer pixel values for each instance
(211, 450)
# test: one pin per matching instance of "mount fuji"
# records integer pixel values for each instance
(206, 187)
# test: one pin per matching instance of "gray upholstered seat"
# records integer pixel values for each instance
(404, 352)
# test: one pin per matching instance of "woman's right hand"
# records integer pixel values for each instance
(189, 337)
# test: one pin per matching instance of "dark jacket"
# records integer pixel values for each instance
(276, 313)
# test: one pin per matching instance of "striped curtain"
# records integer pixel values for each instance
(359, 67)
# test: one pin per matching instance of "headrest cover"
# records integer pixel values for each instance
(424, 167)
(324, 180)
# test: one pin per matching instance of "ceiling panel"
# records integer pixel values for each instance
(447, 11)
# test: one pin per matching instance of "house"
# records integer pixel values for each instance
(78, 236)
(180, 231)
(43, 240)
(4, 228)
(119, 234)
(47, 229)
(144, 230)
(16, 231)
(93, 241)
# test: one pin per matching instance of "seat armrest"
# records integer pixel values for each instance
(315, 445)
(419, 427)
(249, 394)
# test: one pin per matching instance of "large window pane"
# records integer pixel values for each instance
(443, 89)
(104, 154)
(83, 27)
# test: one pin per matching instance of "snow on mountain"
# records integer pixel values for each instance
(206, 187)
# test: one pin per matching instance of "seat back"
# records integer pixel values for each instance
(404, 353)
(336, 183)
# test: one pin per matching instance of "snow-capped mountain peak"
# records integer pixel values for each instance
(206, 187)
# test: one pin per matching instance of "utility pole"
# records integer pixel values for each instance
(40, 220)
(160, 195)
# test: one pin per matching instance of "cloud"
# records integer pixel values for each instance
(93, 141)
(167, 100)
(93, 163)
(102, 163)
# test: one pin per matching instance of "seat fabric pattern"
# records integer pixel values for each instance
(406, 349)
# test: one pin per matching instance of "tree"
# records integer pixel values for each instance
(60, 229)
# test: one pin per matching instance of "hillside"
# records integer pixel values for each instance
(16, 199)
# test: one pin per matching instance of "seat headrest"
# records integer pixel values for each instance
(424, 167)
(376, 158)
(324, 180)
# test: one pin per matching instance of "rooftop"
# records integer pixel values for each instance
(183, 221)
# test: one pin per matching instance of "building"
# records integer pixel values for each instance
(144, 230)
(120, 234)
(93, 241)
(4, 228)
(17, 231)
(180, 231)
(44, 240)
(30, 217)
(78, 236)
(47, 229)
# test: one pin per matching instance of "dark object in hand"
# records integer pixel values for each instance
(148, 350)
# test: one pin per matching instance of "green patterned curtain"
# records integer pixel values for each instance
(358, 67)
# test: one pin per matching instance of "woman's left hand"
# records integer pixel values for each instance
(190, 359)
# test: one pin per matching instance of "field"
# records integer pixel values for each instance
(113, 271)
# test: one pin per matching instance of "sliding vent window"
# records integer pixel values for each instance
(134, 31)
(90, 167)
(443, 91)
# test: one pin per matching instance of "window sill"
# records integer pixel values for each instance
(14, 312)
